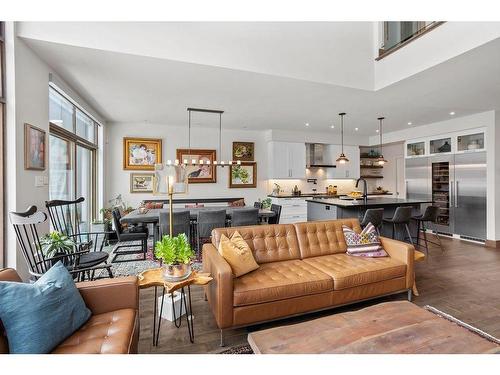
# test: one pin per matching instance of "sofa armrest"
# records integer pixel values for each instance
(220, 291)
(108, 295)
(403, 252)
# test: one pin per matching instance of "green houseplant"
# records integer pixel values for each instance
(176, 254)
(56, 244)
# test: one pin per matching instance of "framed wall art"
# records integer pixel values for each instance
(141, 153)
(34, 148)
(243, 176)
(199, 172)
(244, 151)
(141, 182)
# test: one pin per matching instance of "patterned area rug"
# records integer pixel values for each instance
(243, 349)
(137, 264)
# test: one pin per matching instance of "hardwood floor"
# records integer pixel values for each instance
(463, 281)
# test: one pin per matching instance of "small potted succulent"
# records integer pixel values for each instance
(56, 245)
(176, 254)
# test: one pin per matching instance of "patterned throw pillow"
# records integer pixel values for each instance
(364, 244)
(237, 203)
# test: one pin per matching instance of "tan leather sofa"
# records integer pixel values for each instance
(113, 327)
(303, 268)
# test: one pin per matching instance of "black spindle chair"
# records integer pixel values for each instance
(65, 217)
(276, 208)
(25, 226)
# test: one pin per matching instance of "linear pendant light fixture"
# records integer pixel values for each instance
(381, 160)
(342, 159)
(216, 163)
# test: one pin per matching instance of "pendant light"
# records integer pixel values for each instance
(342, 159)
(381, 160)
(215, 163)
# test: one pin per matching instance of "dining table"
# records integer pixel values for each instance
(152, 215)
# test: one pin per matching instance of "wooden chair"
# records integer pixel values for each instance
(78, 262)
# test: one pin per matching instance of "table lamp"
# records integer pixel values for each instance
(170, 179)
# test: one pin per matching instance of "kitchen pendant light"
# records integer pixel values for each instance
(215, 163)
(342, 159)
(381, 160)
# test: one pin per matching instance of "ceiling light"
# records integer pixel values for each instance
(332, 126)
(376, 130)
(410, 123)
(356, 129)
(381, 160)
(342, 159)
(307, 124)
(452, 113)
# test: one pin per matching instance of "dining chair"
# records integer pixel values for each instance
(276, 208)
(181, 221)
(26, 228)
(257, 204)
(245, 216)
(208, 220)
(130, 235)
(402, 216)
(374, 216)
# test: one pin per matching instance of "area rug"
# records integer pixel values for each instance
(246, 349)
(137, 264)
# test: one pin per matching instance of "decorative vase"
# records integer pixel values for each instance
(176, 272)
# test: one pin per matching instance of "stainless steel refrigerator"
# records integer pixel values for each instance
(455, 183)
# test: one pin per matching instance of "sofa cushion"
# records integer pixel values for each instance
(269, 243)
(348, 271)
(318, 238)
(37, 317)
(364, 244)
(278, 281)
(107, 333)
(238, 254)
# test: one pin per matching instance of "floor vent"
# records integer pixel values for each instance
(472, 239)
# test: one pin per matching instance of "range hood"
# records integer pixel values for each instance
(320, 155)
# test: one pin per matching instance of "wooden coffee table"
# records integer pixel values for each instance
(391, 328)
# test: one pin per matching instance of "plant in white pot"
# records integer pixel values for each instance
(176, 254)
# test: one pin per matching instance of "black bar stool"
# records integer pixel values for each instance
(374, 216)
(430, 216)
(402, 216)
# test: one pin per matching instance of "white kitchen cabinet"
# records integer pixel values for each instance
(348, 170)
(286, 160)
(293, 209)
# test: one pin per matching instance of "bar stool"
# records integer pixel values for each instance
(402, 216)
(430, 216)
(374, 216)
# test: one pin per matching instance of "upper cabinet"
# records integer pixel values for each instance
(458, 142)
(286, 160)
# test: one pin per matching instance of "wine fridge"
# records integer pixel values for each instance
(442, 178)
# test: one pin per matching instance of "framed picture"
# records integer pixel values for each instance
(141, 182)
(34, 148)
(243, 176)
(244, 151)
(200, 172)
(141, 153)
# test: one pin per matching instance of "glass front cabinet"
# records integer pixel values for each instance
(470, 142)
(415, 149)
(460, 142)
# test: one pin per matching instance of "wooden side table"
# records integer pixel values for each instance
(418, 257)
(154, 278)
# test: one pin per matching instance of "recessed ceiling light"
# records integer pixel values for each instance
(307, 124)
(332, 126)
(452, 113)
(356, 129)
(376, 130)
(410, 123)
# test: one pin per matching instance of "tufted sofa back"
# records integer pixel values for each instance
(318, 238)
(269, 243)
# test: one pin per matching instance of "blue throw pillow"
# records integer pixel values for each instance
(37, 317)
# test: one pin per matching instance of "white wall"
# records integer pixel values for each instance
(117, 180)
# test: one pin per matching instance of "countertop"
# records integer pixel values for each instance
(320, 195)
(372, 201)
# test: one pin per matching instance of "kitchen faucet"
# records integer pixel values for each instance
(365, 189)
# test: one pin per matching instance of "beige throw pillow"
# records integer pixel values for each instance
(238, 254)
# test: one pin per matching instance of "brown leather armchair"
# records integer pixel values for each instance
(113, 327)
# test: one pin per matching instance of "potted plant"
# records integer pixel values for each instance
(266, 203)
(176, 254)
(56, 245)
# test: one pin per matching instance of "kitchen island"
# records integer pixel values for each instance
(331, 209)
